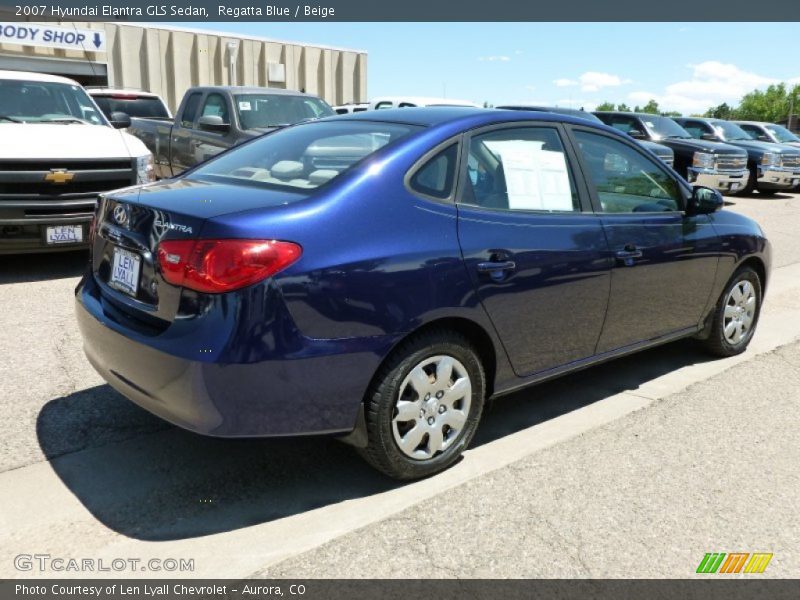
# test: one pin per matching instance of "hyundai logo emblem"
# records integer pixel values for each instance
(120, 214)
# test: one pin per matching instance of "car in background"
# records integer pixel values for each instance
(211, 119)
(769, 132)
(134, 103)
(346, 109)
(386, 102)
(380, 275)
(58, 153)
(773, 167)
(702, 162)
(663, 152)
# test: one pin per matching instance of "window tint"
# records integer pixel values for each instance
(190, 110)
(435, 178)
(623, 124)
(520, 169)
(625, 179)
(215, 106)
(696, 130)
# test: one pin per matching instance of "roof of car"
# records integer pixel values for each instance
(431, 116)
(631, 114)
(107, 90)
(753, 122)
(28, 76)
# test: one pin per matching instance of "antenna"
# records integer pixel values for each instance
(86, 53)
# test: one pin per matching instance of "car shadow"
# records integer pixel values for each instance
(151, 481)
(19, 268)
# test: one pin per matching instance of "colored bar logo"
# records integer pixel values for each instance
(734, 562)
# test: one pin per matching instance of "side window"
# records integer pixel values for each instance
(407, 105)
(216, 106)
(626, 180)
(623, 124)
(190, 110)
(383, 105)
(752, 131)
(520, 169)
(695, 129)
(435, 177)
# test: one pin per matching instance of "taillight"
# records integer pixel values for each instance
(216, 266)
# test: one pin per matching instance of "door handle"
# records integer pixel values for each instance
(494, 266)
(628, 254)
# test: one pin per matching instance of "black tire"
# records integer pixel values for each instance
(717, 343)
(767, 192)
(751, 183)
(382, 451)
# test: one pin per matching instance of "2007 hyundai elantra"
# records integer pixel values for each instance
(379, 276)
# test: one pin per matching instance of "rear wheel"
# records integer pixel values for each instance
(736, 314)
(424, 406)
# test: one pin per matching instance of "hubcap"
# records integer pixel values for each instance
(740, 310)
(432, 407)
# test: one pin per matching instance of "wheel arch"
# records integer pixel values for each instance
(759, 267)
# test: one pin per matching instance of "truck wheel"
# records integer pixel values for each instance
(736, 315)
(424, 405)
(767, 192)
(751, 183)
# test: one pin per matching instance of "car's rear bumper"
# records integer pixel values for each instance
(776, 178)
(724, 181)
(315, 388)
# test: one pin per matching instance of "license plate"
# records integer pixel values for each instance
(65, 234)
(735, 186)
(125, 271)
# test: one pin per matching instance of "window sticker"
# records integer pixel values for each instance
(536, 179)
(244, 105)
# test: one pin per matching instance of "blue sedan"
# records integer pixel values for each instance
(378, 276)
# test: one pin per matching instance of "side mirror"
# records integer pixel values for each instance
(120, 120)
(637, 134)
(213, 123)
(704, 201)
(709, 137)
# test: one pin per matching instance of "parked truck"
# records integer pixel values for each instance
(215, 118)
(58, 154)
(701, 162)
(773, 167)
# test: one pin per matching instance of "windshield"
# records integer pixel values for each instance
(664, 128)
(46, 102)
(133, 106)
(302, 157)
(258, 111)
(782, 134)
(730, 132)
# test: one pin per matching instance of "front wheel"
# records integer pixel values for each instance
(424, 406)
(736, 314)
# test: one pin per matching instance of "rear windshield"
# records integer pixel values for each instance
(138, 106)
(260, 111)
(303, 157)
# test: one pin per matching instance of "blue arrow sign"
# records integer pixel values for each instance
(97, 41)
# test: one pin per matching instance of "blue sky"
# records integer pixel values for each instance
(684, 66)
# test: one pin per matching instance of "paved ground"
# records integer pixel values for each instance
(621, 470)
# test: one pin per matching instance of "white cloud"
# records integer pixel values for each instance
(592, 81)
(530, 88)
(711, 83)
(494, 58)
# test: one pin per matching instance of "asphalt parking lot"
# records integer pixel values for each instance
(666, 454)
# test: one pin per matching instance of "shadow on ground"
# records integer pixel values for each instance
(18, 268)
(151, 481)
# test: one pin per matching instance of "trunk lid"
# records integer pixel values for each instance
(131, 223)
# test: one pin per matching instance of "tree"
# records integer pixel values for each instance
(651, 108)
(605, 106)
(771, 104)
(723, 111)
(672, 113)
(623, 107)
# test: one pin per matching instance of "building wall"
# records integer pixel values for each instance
(167, 61)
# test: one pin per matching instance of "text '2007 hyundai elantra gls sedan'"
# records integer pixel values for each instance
(379, 275)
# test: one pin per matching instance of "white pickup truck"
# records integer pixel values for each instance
(58, 153)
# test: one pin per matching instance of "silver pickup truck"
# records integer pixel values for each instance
(212, 119)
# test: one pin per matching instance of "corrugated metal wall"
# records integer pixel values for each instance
(168, 61)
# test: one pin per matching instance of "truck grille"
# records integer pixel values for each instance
(791, 161)
(731, 163)
(62, 179)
